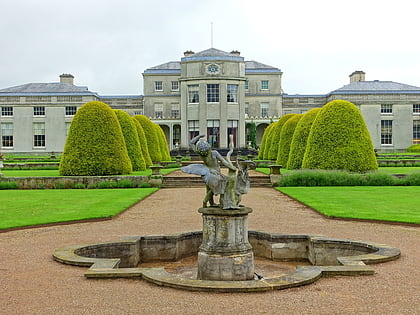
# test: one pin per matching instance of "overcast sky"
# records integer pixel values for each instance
(107, 44)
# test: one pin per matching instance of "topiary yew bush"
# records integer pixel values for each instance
(274, 137)
(143, 143)
(264, 141)
(151, 137)
(95, 144)
(163, 144)
(300, 137)
(132, 141)
(414, 148)
(339, 140)
(286, 136)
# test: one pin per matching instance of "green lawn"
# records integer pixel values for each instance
(54, 173)
(31, 207)
(388, 203)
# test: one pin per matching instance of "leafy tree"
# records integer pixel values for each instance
(252, 135)
(264, 141)
(163, 144)
(286, 136)
(274, 137)
(95, 144)
(339, 140)
(132, 140)
(143, 143)
(300, 137)
(151, 137)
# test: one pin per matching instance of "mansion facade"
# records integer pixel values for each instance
(212, 92)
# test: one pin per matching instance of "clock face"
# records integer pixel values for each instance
(212, 69)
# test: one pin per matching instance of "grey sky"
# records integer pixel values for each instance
(107, 44)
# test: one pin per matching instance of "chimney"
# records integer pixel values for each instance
(188, 53)
(357, 76)
(235, 52)
(66, 78)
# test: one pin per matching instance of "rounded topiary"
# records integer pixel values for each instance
(143, 143)
(163, 144)
(95, 144)
(274, 137)
(300, 137)
(340, 140)
(151, 137)
(286, 136)
(132, 141)
(414, 148)
(264, 141)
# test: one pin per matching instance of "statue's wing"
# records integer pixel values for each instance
(196, 169)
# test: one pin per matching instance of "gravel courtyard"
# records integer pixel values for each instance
(32, 283)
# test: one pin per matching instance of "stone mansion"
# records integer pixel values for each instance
(211, 92)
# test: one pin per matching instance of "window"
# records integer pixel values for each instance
(213, 128)
(416, 108)
(176, 135)
(232, 93)
(39, 134)
(193, 94)
(386, 109)
(264, 85)
(264, 109)
(7, 135)
(175, 86)
(246, 110)
(7, 111)
(158, 86)
(138, 112)
(232, 129)
(416, 132)
(193, 128)
(175, 111)
(386, 131)
(159, 110)
(246, 85)
(212, 93)
(39, 111)
(71, 110)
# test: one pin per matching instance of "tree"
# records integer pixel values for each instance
(264, 141)
(143, 142)
(132, 140)
(339, 140)
(95, 144)
(300, 137)
(151, 137)
(286, 136)
(252, 134)
(274, 137)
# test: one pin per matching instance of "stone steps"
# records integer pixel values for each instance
(197, 181)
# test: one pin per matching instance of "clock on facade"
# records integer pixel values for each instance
(212, 69)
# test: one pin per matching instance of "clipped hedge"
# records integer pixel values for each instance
(163, 144)
(414, 148)
(299, 140)
(286, 136)
(273, 140)
(132, 141)
(340, 140)
(143, 143)
(264, 141)
(151, 137)
(95, 144)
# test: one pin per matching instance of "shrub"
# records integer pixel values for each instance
(412, 179)
(322, 178)
(151, 137)
(95, 144)
(300, 137)
(132, 141)
(163, 144)
(380, 179)
(286, 136)
(143, 143)
(8, 185)
(107, 184)
(126, 183)
(416, 164)
(92, 186)
(414, 148)
(273, 140)
(78, 186)
(59, 185)
(340, 140)
(145, 185)
(264, 141)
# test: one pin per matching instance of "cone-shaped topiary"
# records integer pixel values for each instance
(286, 136)
(163, 144)
(132, 141)
(274, 137)
(151, 137)
(300, 137)
(95, 144)
(339, 140)
(264, 141)
(143, 143)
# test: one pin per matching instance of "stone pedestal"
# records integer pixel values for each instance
(225, 253)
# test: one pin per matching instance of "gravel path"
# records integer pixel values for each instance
(32, 283)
